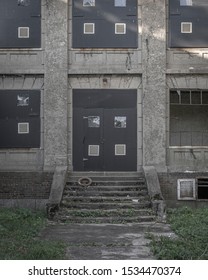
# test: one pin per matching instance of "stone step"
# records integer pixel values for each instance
(105, 205)
(86, 193)
(111, 220)
(101, 199)
(105, 212)
(108, 188)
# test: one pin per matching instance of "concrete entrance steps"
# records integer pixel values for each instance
(110, 198)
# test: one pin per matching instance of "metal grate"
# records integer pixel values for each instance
(23, 32)
(120, 28)
(89, 28)
(23, 128)
(93, 150)
(120, 149)
(186, 27)
(186, 189)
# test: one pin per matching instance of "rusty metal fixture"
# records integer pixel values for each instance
(85, 181)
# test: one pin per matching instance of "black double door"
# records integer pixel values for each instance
(104, 130)
(105, 139)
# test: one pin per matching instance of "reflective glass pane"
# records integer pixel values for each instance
(120, 122)
(93, 121)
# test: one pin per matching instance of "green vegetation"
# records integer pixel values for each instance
(191, 227)
(19, 229)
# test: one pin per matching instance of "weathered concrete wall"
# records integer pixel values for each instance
(23, 159)
(187, 61)
(25, 189)
(154, 82)
(56, 82)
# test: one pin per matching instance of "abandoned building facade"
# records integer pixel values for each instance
(110, 85)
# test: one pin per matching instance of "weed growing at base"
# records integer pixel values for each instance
(191, 227)
(19, 229)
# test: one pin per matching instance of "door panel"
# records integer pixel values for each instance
(120, 137)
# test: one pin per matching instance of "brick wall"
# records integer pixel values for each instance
(25, 185)
(168, 184)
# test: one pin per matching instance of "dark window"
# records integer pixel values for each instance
(202, 184)
(187, 23)
(105, 24)
(188, 118)
(20, 24)
(20, 118)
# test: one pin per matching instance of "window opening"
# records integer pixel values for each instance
(23, 32)
(87, 3)
(186, 27)
(93, 121)
(120, 3)
(188, 118)
(23, 2)
(120, 28)
(202, 191)
(120, 122)
(89, 28)
(186, 3)
(22, 99)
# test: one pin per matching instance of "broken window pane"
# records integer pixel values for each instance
(94, 121)
(23, 99)
(23, 2)
(120, 122)
(87, 3)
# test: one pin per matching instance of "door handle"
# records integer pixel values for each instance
(85, 159)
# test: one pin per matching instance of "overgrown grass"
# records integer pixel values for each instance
(191, 227)
(19, 229)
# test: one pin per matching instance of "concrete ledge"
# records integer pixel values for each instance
(154, 190)
(34, 204)
(58, 184)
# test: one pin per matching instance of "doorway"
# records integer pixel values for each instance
(104, 130)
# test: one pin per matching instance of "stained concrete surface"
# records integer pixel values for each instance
(107, 241)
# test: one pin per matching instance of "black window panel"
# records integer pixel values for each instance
(197, 15)
(11, 115)
(104, 36)
(9, 108)
(104, 15)
(13, 16)
(104, 98)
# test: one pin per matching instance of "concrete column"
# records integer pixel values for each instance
(154, 82)
(55, 83)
